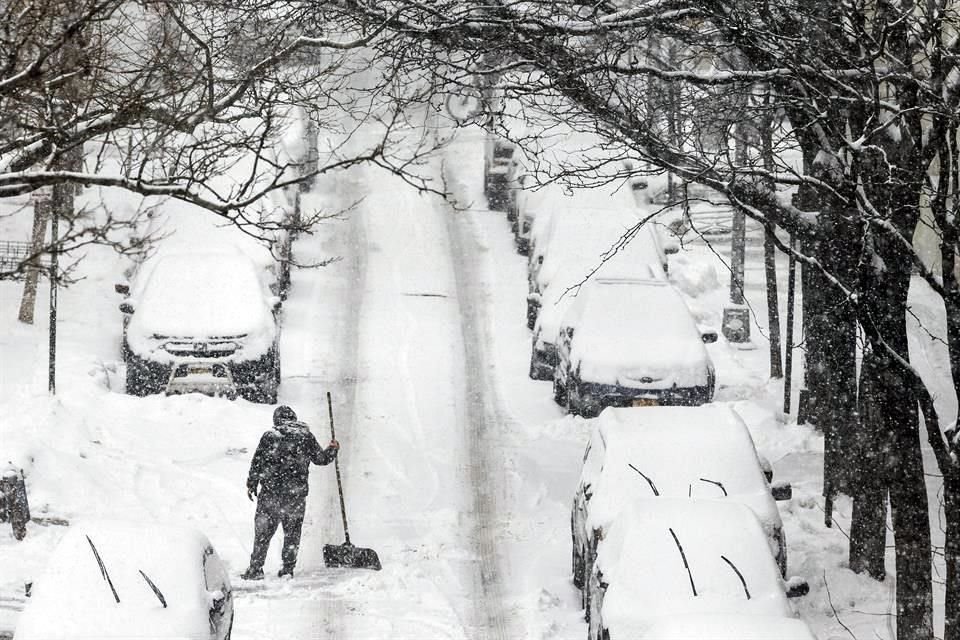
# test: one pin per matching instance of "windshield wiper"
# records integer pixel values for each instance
(154, 588)
(719, 484)
(103, 570)
(685, 564)
(653, 487)
(739, 575)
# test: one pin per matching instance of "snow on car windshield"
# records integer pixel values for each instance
(201, 295)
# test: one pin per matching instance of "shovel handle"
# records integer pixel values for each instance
(336, 466)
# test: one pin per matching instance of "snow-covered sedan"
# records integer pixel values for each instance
(631, 343)
(635, 456)
(202, 309)
(673, 558)
(130, 580)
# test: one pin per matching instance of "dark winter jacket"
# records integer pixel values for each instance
(281, 464)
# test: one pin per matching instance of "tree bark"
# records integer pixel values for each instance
(28, 301)
(773, 308)
(951, 554)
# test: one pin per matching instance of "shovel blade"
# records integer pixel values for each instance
(348, 556)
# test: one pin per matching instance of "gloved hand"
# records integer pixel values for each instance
(334, 445)
(251, 493)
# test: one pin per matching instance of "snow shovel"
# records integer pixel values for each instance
(346, 555)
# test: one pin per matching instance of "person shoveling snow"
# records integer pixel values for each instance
(279, 469)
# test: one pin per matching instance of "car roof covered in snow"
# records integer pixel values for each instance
(73, 599)
(583, 236)
(572, 285)
(200, 294)
(722, 543)
(703, 452)
(727, 627)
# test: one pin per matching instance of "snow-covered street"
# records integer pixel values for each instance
(458, 469)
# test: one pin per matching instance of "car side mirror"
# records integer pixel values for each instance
(708, 337)
(126, 307)
(797, 587)
(122, 288)
(781, 491)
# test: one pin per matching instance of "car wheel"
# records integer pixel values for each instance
(531, 315)
(588, 407)
(559, 392)
(141, 380)
(585, 602)
(576, 562)
(259, 381)
(572, 398)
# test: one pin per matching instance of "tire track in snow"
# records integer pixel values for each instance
(345, 386)
(482, 416)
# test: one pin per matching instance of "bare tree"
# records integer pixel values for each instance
(187, 100)
(870, 92)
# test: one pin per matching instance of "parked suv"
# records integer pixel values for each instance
(204, 309)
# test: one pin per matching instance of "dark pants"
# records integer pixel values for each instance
(273, 510)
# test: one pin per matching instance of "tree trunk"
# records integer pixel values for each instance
(773, 305)
(951, 555)
(868, 524)
(41, 211)
(891, 435)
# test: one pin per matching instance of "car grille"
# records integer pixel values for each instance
(218, 347)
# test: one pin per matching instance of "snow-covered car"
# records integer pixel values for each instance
(202, 308)
(727, 627)
(498, 171)
(530, 203)
(640, 455)
(130, 580)
(631, 343)
(582, 239)
(674, 557)
(571, 283)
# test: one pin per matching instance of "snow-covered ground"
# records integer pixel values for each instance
(459, 470)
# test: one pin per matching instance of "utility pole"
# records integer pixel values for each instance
(59, 191)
